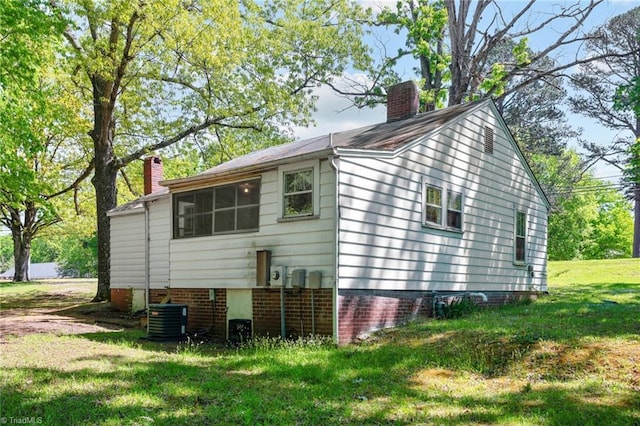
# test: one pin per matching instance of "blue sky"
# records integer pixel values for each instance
(334, 115)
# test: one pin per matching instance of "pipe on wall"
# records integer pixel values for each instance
(282, 310)
(478, 294)
(147, 261)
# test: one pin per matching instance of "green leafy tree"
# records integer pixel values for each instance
(79, 257)
(539, 124)
(608, 94)
(44, 250)
(6, 252)
(28, 112)
(611, 229)
(591, 218)
(425, 24)
(158, 73)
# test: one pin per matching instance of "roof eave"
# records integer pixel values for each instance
(206, 178)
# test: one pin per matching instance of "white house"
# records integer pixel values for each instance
(341, 234)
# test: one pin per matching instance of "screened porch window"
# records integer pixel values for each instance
(222, 209)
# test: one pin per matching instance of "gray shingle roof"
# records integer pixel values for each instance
(385, 137)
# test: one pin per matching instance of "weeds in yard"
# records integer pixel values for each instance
(459, 307)
(267, 343)
(569, 358)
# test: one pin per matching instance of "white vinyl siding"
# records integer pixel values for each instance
(229, 261)
(159, 236)
(127, 251)
(383, 243)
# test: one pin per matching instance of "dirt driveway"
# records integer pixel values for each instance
(60, 308)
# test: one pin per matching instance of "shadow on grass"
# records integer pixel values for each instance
(336, 390)
(35, 299)
(531, 364)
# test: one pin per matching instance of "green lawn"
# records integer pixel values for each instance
(572, 357)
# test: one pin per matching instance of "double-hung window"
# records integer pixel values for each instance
(442, 206)
(520, 237)
(454, 209)
(433, 205)
(298, 193)
(222, 209)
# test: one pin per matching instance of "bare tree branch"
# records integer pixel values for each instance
(84, 175)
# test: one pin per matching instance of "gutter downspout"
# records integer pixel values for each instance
(147, 272)
(283, 330)
(336, 316)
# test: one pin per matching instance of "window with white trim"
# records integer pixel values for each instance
(433, 205)
(298, 193)
(454, 209)
(520, 237)
(222, 209)
(442, 207)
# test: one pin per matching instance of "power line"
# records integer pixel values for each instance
(588, 189)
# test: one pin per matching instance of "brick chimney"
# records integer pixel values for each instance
(152, 174)
(402, 101)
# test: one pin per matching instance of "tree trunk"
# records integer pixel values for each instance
(104, 179)
(21, 254)
(23, 225)
(636, 194)
(104, 182)
(636, 221)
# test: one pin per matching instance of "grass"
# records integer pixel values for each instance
(572, 357)
(51, 293)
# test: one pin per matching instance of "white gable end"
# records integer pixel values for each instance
(383, 240)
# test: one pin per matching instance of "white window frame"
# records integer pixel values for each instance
(313, 165)
(517, 211)
(445, 189)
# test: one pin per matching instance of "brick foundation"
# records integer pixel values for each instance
(298, 312)
(207, 314)
(361, 312)
(121, 299)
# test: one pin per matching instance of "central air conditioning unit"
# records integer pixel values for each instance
(167, 321)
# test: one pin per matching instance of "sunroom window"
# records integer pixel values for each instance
(222, 209)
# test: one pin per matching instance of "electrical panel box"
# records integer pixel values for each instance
(212, 294)
(315, 279)
(278, 276)
(298, 277)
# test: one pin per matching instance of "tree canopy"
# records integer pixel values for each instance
(32, 116)
(608, 94)
(157, 74)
